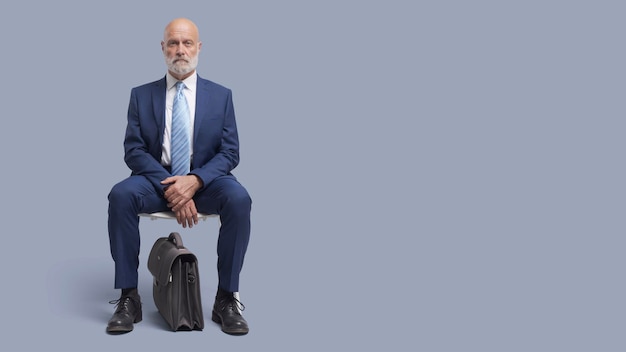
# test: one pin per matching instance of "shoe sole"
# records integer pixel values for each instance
(216, 318)
(118, 330)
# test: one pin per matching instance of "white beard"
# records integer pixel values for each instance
(182, 67)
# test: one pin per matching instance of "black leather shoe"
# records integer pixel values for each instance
(226, 312)
(127, 312)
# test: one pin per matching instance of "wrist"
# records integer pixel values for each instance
(198, 181)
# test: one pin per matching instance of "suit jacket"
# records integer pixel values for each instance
(215, 138)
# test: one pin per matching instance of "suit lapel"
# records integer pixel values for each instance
(202, 107)
(158, 106)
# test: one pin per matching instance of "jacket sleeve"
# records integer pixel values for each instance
(137, 152)
(227, 155)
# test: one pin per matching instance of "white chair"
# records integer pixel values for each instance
(170, 215)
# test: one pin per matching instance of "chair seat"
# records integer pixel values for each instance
(170, 215)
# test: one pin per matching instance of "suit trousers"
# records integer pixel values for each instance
(224, 196)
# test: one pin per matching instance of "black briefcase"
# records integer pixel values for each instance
(176, 288)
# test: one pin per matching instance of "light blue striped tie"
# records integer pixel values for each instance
(180, 133)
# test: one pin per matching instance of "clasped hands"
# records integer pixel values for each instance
(179, 192)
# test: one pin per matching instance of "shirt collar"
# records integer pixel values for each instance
(190, 82)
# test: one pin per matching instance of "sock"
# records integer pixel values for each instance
(223, 293)
(130, 292)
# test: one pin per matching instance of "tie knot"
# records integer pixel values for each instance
(180, 86)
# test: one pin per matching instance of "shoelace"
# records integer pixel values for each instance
(121, 302)
(232, 302)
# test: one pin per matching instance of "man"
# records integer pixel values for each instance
(181, 144)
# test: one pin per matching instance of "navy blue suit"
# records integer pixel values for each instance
(215, 155)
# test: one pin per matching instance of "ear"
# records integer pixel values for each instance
(163, 46)
(199, 46)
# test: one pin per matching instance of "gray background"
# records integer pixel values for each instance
(426, 175)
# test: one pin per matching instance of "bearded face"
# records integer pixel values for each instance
(182, 65)
(181, 47)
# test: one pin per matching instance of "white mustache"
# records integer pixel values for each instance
(181, 64)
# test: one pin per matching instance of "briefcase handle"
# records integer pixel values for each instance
(176, 239)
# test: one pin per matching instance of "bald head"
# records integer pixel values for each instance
(181, 45)
(181, 25)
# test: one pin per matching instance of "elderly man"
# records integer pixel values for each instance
(181, 145)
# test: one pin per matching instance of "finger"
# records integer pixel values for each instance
(190, 215)
(194, 213)
(168, 180)
(176, 202)
(169, 194)
(172, 189)
(183, 220)
(177, 206)
(173, 202)
(183, 217)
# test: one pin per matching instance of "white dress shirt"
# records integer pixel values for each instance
(190, 93)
